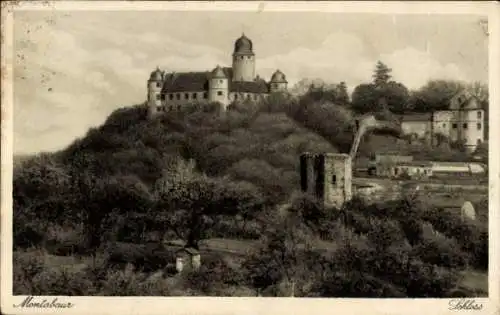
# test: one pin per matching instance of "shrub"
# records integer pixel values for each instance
(214, 277)
(61, 281)
(26, 265)
(383, 233)
(441, 251)
(355, 284)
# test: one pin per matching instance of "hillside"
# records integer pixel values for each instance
(261, 148)
(210, 180)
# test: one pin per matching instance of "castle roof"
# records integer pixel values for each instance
(464, 100)
(186, 81)
(218, 72)
(243, 45)
(259, 86)
(156, 75)
(278, 77)
(198, 81)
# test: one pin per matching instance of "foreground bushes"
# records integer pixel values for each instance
(34, 276)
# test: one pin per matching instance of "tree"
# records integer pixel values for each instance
(39, 178)
(396, 96)
(194, 204)
(285, 258)
(322, 92)
(435, 95)
(342, 94)
(365, 98)
(382, 74)
(41, 196)
(391, 96)
(96, 196)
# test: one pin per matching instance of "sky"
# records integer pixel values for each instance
(73, 68)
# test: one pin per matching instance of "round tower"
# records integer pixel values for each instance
(472, 128)
(278, 82)
(243, 60)
(155, 84)
(218, 88)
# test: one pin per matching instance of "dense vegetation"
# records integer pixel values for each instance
(199, 176)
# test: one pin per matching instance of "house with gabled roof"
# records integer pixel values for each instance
(463, 122)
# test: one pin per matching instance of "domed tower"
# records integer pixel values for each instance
(155, 84)
(278, 82)
(243, 60)
(218, 87)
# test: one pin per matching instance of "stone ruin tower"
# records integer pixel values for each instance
(328, 176)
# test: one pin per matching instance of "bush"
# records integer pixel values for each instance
(441, 251)
(26, 265)
(383, 233)
(355, 284)
(214, 277)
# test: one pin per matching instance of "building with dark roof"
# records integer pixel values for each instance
(462, 122)
(223, 85)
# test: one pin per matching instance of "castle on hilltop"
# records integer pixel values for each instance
(179, 91)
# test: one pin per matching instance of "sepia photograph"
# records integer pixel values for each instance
(229, 151)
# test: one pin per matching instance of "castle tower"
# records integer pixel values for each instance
(327, 176)
(219, 87)
(469, 120)
(243, 60)
(278, 82)
(155, 84)
(473, 128)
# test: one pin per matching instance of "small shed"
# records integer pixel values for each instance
(187, 258)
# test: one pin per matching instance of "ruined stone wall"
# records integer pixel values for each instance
(327, 176)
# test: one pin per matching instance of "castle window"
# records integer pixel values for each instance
(235, 96)
(454, 126)
(171, 96)
(220, 93)
(157, 84)
(178, 107)
(195, 96)
(178, 96)
(220, 81)
(479, 141)
(205, 95)
(186, 96)
(465, 125)
(171, 108)
(334, 179)
(157, 97)
(163, 97)
(479, 114)
(478, 126)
